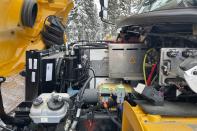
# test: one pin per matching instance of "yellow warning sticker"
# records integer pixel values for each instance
(133, 60)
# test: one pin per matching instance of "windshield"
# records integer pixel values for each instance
(151, 5)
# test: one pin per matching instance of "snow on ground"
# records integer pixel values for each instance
(13, 92)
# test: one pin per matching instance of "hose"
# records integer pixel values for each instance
(73, 47)
(53, 32)
(75, 122)
(84, 87)
(74, 125)
(89, 45)
(94, 77)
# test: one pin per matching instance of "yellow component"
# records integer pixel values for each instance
(15, 39)
(112, 87)
(134, 119)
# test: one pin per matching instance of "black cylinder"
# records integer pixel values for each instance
(71, 68)
(91, 96)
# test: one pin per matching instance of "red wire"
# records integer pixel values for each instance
(151, 74)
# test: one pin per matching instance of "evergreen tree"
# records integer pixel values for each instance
(83, 21)
(85, 24)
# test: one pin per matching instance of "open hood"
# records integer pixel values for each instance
(176, 16)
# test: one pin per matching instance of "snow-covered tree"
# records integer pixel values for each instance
(85, 24)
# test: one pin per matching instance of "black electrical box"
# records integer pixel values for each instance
(41, 72)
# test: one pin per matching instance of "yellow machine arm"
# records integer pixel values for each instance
(20, 25)
(135, 119)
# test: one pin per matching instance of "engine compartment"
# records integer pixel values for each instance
(69, 87)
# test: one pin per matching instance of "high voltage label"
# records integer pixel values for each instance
(133, 60)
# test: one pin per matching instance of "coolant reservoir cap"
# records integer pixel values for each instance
(38, 101)
(54, 103)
